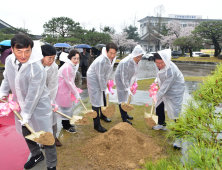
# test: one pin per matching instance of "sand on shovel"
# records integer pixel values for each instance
(91, 114)
(83, 121)
(109, 111)
(45, 139)
(150, 122)
(127, 107)
(122, 147)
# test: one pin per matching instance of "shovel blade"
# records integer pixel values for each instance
(90, 113)
(108, 111)
(155, 118)
(38, 136)
(127, 107)
(79, 120)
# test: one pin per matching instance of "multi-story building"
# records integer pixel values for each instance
(150, 28)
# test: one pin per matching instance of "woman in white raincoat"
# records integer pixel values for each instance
(125, 77)
(24, 75)
(51, 68)
(98, 76)
(67, 87)
(172, 86)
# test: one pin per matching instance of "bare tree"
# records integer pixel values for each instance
(85, 24)
(134, 19)
(123, 25)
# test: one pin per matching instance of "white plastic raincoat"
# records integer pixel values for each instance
(29, 88)
(126, 73)
(52, 84)
(172, 85)
(98, 76)
(66, 87)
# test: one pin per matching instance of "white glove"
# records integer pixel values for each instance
(106, 91)
(129, 92)
(156, 81)
(23, 122)
(77, 96)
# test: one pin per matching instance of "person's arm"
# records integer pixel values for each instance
(69, 79)
(5, 87)
(124, 75)
(166, 84)
(53, 83)
(35, 90)
(100, 72)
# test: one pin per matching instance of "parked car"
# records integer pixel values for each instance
(176, 53)
(204, 55)
(148, 56)
(196, 53)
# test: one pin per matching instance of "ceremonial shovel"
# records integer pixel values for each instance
(79, 120)
(38, 137)
(153, 119)
(126, 106)
(108, 111)
(90, 113)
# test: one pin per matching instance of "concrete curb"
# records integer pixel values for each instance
(196, 62)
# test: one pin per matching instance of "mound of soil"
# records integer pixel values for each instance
(122, 147)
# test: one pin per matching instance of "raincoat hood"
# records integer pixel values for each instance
(137, 51)
(166, 56)
(64, 57)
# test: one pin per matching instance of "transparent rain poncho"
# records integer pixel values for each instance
(172, 85)
(52, 84)
(126, 73)
(29, 89)
(66, 86)
(98, 76)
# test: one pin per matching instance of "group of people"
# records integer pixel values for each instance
(36, 82)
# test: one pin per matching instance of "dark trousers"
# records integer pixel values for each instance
(84, 70)
(160, 112)
(50, 151)
(98, 109)
(123, 113)
(66, 124)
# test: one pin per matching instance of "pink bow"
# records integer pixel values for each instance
(6, 108)
(73, 97)
(110, 86)
(56, 107)
(153, 91)
(134, 87)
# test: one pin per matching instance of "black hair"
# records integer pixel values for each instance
(21, 41)
(156, 56)
(48, 50)
(72, 53)
(111, 45)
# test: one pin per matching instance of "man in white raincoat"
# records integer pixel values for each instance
(24, 75)
(172, 86)
(51, 68)
(98, 76)
(125, 77)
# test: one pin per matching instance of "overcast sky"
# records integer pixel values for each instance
(32, 14)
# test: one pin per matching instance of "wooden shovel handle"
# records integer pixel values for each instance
(83, 104)
(107, 100)
(152, 109)
(20, 118)
(129, 99)
(62, 114)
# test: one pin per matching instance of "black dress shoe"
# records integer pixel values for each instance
(51, 168)
(100, 129)
(33, 161)
(106, 119)
(126, 120)
(129, 117)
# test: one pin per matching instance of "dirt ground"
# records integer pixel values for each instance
(75, 154)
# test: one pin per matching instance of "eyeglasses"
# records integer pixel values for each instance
(50, 58)
(139, 57)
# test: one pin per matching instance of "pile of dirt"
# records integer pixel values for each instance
(45, 139)
(122, 147)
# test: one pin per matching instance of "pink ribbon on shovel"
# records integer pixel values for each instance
(133, 88)
(73, 97)
(110, 86)
(153, 91)
(56, 107)
(6, 108)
